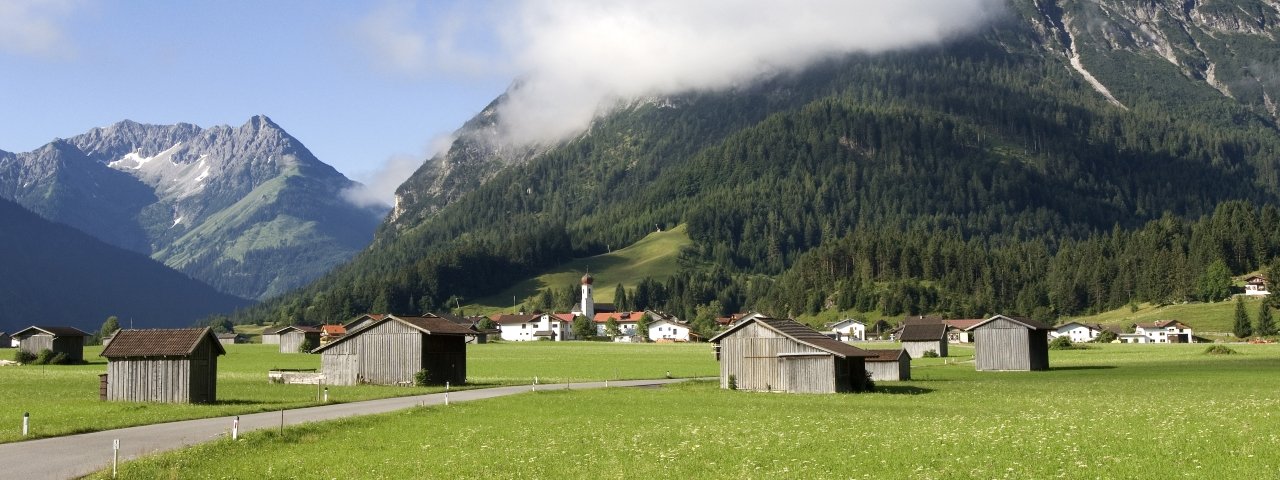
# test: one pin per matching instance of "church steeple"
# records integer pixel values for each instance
(588, 302)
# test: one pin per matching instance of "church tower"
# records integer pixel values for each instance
(588, 306)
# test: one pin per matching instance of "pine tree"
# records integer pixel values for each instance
(583, 328)
(1266, 325)
(620, 299)
(642, 328)
(611, 327)
(1242, 327)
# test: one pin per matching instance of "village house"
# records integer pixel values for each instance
(293, 337)
(163, 365)
(1165, 331)
(958, 329)
(848, 330)
(329, 333)
(917, 339)
(1077, 332)
(535, 326)
(664, 329)
(392, 350)
(1003, 343)
(889, 365)
(67, 340)
(1256, 285)
(774, 354)
(626, 321)
(735, 318)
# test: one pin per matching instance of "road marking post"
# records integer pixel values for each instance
(446, 397)
(535, 383)
(326, 394)
(235, 428)
(115, 457)
(26, 422)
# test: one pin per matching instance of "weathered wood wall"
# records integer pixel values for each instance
(292, 341)
(389, 353)
(1005, 345)
(446, 358)
(204, 374)
(751, 356)
(338, 364)
(72, 346)
(35, 343)
(917, 349)
(890, 371)
(165, 379)
(270, 339)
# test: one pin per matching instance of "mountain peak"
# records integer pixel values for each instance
(261, 121)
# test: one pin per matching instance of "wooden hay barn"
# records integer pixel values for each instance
(363, 320)
(5, 340)
(1008, 343)
(392, 350)
(923, 337)
(889, 365)
(163, 365)
(774, 354)
(292, 337)
(68, 340)
(230, 338)
(271, 336)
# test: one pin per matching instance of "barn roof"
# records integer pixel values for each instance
(620, 317)
(801, 333)
(51, 330)
(160, 342)
(300, 328)
(333, 330)
(887, 355)
(923, 332)
(1026, 322)
(963, 323)
(227, 336)
(430, 325)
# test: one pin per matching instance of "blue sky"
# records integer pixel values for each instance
(372, 87)
(311, 66)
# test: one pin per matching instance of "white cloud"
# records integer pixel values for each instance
(378, 187)
(406, 39)
(578, 58)
(35, 27)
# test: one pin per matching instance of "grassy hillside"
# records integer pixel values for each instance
(654, 256)
(1091, 416)
(1206, 319)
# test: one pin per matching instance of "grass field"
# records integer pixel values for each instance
(653, 256)
(1112, 411)
(64, 399)
(1206, 319)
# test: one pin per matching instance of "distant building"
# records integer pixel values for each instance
(329, 333)
(1256, 285)
(1077, 332)
(627, 322)
(68, 340)
(391, 351)
(889, 365)
(774, 354)
(1165, 331)
(5, 340)
(958, 329)
(669, 330)
(293, 337)
(223, 338)
(849, 330)
(363, 320)
(917, 339)
(1010, 343)
(163, 365)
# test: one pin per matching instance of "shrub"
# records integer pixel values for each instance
(44, 357)
(61, 358)
(867, 385)
(1219, 350)
(733, 382)
(422, 378)
(307, 346)
(1107, 336)
(1061, 343)
(24, 356)
(930, 354)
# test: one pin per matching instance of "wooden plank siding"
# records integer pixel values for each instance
(890, 371)
(72, 346)
(291, 342)
(149, 380)
(392, 353)
(36, 343)
(751, 356)
(1006, 345)
(917, 349)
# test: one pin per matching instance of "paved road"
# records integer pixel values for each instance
(74, 456)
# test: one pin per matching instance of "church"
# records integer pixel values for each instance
(587, 307)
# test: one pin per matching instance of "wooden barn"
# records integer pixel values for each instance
(230, 338)
(919, 338)
(271, 336)
(1010, 343)
(363, 320)
(5, 340)
(889, 365)
(68, 340)
(292, 337)
(163, 365)
(390, 351)
(775, 354)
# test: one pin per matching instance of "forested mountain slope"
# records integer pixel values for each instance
(994, 140)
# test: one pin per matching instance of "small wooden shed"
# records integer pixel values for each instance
(271, 336)
(919, 338)
(230, 338)
(177, 365)
(889, 365)
(1010, 343)
(776, 354)
(68, 340)
(292, 337)
(392, 350)
(5, 340)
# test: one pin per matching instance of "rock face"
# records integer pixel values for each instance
(246, 209)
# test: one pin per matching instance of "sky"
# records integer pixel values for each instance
(374, 88)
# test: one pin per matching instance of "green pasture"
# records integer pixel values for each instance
(1211, 319)
(64, 399)
(1111, 411)
(654, 256)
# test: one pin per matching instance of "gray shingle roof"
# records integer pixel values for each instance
(931, 332)
(54, 330)
(159, 342)
(804, 334)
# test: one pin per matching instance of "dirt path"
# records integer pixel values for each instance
(75, 456)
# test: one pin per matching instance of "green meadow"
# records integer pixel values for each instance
(64, 399)
(1110, 411)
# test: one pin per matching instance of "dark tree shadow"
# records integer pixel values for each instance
(1084, 367)
(902, 389)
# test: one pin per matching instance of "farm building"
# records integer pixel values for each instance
(889, 365)
(1165, 331)
(230, 338)
(1010, 343)
(68, 340)
(392, 350)
(271, 336)
(5, 340)
(363, 320)
(774, 354)
(294, 336)
(163, 365)
(924, 337)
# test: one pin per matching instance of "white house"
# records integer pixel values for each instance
(626, 324)
(1132, 338)
(1165, 331)
(1077, 332)
(664, 329)
(536, 326)
(1256, 285)
(849, 329)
